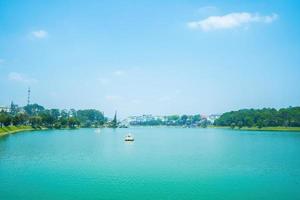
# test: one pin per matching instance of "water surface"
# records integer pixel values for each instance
(163, 163)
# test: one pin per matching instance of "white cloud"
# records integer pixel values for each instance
(39, 34)
(230, 20)
(18, 77)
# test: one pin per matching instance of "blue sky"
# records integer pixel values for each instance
(157, 57)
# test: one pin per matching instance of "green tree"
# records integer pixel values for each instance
(63, 122)
(33, 109)
(35, 121)
(240, 124)
(204, 123)
(47, 119)
(73, 122)
(90, 117)
(232, 125)
(261, 117)
(20, 119)
(5, 119)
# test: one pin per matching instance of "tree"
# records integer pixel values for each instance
(196, 118)
(261, 117)
(204, 123)
(260, 124)
(90, 117)
(63, 122)
(36, 115)
(5, 119)
(55, 113)
(33, 109)
(47, 119)
(249, 122)
(13, 108)
(3, 116)
(64, 113)
(114, 122)
(240, 124)
(35, 121)
(73, 122)
(173, 117)
(20, 119)
(232, 125)
(183, 119)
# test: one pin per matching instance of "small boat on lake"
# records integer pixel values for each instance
(129, 138)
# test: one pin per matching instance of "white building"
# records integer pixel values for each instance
(213, 117)
(4, 109)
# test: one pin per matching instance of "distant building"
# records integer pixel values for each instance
(4, 109)
(212, 118)
(184, 120)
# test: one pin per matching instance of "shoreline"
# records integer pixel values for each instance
(278, 128)
(275, 128)
(4, 131)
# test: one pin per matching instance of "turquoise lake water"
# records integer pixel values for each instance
(162, 163)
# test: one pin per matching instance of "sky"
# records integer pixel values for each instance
(150, 57)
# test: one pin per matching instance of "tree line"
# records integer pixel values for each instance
(37, 116)
(266, 117)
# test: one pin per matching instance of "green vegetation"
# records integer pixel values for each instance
(13, 129)
(277, 128)
(35, 116)
(262, 119)
(90, 118)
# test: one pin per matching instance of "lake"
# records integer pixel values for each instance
(162, 163)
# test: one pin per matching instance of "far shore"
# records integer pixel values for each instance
(275, 128)
(16, 129)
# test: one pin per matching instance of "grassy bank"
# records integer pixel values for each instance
(14, 129)
(276, 128)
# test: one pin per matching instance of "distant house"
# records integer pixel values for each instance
(4, 109)
(212, 118)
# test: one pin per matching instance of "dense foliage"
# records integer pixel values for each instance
(267, 117)
(90, 117)
(36, 116)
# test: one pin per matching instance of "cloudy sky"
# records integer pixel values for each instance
(151, 57)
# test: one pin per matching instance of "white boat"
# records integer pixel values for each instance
(129, 138)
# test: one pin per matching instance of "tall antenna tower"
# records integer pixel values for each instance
(28, 97)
